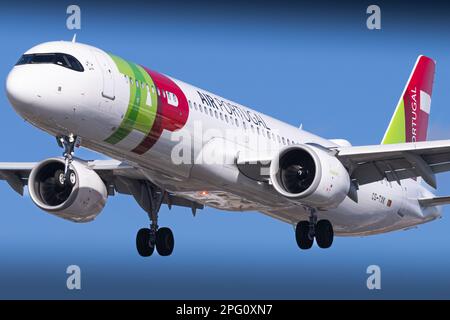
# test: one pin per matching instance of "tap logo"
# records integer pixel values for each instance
(156, 103)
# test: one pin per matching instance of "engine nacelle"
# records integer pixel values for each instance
(310, 175)
(78, 202)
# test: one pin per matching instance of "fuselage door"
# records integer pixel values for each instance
(107, 72)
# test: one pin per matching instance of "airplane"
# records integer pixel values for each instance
(168, 142)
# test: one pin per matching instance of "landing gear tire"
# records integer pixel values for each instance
(147, 240)
(164, 242)
(144, 244)
(324, 234)
(302, 235)
(61, 179)
(72, 178)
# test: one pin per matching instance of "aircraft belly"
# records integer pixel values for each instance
(380, 209)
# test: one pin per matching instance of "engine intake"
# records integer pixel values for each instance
(310, 175)
(297, 171)
(79, 201)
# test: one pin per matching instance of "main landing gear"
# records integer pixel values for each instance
(62, 176)
(149, 238)
(307, 231)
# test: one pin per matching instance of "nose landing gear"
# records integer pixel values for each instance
(68, 143)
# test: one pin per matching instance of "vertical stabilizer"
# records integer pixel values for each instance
(409, 123)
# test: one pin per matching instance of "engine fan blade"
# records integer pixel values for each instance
(294, 177)
(54, 194)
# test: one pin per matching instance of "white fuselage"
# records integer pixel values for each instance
(93, 104)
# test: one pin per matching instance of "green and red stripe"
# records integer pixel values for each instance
(150, 118)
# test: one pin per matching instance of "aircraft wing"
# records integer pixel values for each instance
(434, 201)
(367, 164)
(395, 162)
(125, 178)
(16, 173)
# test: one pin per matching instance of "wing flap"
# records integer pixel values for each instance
(396, 162)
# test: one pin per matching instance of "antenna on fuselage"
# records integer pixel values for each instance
(74, 39)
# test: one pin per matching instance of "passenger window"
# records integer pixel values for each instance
(148, 100)
(236, 121)
(210, 112)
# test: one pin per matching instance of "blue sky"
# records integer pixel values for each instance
(319, 66)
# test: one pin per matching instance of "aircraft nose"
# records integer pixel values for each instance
(20, 91)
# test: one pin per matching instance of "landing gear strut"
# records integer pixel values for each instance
(148, 238)
(68, 143)
(307, 231)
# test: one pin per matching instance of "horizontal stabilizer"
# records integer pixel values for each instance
(435, 201)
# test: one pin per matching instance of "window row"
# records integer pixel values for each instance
(234, 121)
(171, 97)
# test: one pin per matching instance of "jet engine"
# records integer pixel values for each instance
(310, 175)
(80, 198)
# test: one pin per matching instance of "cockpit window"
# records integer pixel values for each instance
(61, 59)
